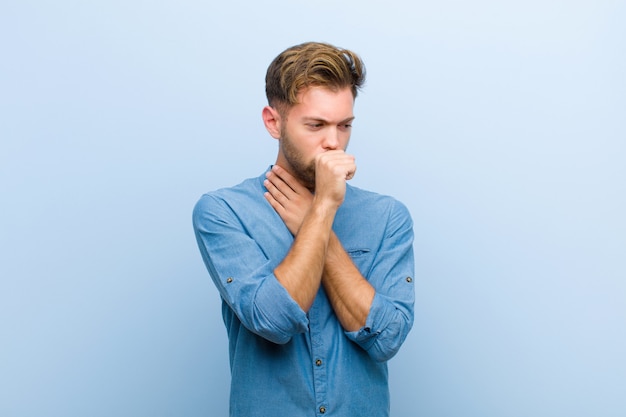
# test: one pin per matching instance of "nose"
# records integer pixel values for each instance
(331, 139)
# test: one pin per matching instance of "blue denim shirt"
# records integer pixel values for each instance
(285, 362)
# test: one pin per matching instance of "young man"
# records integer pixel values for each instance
(315, 275)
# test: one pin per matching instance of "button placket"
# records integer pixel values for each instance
(318, 354)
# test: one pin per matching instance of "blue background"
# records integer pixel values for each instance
(501, 125)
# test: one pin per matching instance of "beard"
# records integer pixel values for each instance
(302, 170)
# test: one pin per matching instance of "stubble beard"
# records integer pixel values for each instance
(303, 171)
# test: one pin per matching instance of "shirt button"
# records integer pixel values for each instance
(318, 362)
(322, 409)
(409, 279)
(229, 280)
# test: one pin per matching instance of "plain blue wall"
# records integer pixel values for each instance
(501, 125)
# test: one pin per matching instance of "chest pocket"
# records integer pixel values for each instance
(356, 253)
(362, 258)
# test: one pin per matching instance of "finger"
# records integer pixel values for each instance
(276, 205)
(351, 172)
(345, 167)
(270, 199)
(332, 158)
(276, 193)
(279, 183)
(288, 179)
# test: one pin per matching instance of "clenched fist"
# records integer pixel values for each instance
(332, 169)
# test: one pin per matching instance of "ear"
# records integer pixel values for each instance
(272, 121)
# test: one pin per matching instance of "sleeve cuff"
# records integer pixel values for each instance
(366, 336)
(287, 318)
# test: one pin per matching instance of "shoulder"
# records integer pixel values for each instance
(229, 200)
(360, 200)
(367, 218)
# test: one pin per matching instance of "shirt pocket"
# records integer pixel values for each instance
(361, 257)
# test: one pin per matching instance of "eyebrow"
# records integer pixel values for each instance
(318, 119)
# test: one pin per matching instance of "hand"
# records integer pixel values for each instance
(288, 197)
(332, 169)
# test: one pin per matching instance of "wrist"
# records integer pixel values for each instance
(324, 206)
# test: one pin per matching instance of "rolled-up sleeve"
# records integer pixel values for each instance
(243, 274)
(391, 314)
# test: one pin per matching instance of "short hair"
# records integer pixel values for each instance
(311, 64)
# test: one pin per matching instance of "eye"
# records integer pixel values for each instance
(346, 126)
(314, 126)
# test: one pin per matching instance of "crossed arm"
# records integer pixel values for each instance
(317, 256)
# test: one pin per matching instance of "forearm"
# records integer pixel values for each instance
(241, 270)
(349, 293)
(301, 270)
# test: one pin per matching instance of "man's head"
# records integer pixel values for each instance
(311, 64)
(311, 90)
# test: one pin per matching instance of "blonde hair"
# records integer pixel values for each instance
(311, 64)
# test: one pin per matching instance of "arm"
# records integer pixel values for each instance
(376, 313)
(242, 271)
(391, 274)
(348, 291)
(301, 270)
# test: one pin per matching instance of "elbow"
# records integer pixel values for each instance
(275, 337)
(279, 333)
(277, 326)
(269, 312)
(389, 341)
(383, 353)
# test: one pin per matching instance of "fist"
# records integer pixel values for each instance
(332, 169)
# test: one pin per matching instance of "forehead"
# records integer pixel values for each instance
(324, 104)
